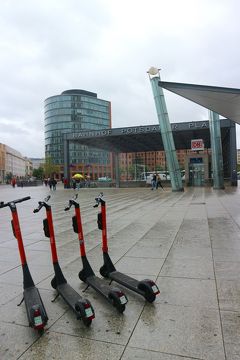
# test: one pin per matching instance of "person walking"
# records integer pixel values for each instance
(154, 182)
(159, 183)
(50, 183)
(54, 183)
(74, 184)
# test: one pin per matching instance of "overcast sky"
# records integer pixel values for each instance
(107, 46)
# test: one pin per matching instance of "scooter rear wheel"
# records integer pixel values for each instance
(149, 294)
(117, 303)
(81, 309)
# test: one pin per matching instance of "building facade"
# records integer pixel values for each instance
(73, 111)
(37, 162)
(238, 156)
(13, 164)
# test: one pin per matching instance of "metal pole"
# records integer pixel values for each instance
(216, 146)
(166, 131)
(66, 161)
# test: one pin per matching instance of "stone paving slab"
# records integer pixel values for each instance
(189, 243)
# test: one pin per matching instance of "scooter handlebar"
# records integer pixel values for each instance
(41, 204)
(71, 202)
(2, 204)
(98, 200)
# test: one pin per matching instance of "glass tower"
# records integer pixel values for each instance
(75, 111)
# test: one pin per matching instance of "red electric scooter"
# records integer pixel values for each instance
(36, 313)
(147, 288)
(113, 295)
(81, 307)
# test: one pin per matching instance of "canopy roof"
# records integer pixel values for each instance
(223, 101)
(148, 137)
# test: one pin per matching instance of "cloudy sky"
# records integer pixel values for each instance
(107, 46)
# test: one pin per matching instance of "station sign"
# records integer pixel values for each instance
(197, 144)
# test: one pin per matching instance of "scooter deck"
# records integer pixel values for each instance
(126, 281)
(99, 285)
(33, 299)
(70, 296)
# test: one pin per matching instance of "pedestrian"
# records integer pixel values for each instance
(54, 183)
(65, 182)
(50, 183)
(13, 182)
(159, 182)
(74, 184)
(154, 181)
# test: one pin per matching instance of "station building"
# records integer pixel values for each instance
(144, 145)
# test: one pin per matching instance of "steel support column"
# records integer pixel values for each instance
(216, 146)
(117, 172)
(166, 132)
(66, 161)
(233, 155)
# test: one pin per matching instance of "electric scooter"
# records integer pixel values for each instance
(113, 295)
(36, 313)
(147, 288)
(81, 307)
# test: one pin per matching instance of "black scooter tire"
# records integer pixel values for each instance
(148, 292)
(103, 271)
(54, 282)
(150, 297)
(80, 308)
(116, 303)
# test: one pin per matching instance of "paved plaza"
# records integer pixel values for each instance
(189, 243)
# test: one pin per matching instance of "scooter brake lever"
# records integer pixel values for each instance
(47, 198)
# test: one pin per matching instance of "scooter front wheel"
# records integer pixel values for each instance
(103, 271)
(54, 282)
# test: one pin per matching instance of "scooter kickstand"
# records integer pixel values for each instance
(21, 302)
(86, 288)
(55, 298)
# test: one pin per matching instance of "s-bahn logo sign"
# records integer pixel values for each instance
(197, 144)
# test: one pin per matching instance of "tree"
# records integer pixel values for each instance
(49, 167)
(38, 173)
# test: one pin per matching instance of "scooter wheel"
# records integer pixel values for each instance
(54, 283)
(82, 276)
(150, 297)
(87, 322)
(116, 303)
(41, 331)
(103, 271)
(81, 310)
(148, 291)
(120, 308)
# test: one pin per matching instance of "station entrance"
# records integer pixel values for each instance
(148, 138)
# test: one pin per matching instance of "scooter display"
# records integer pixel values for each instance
(36, 313)
(80, 306)
(113, 295)
(147, 288)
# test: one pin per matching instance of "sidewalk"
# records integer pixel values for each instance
(189, 243)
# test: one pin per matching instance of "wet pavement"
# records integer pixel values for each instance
(189, 243)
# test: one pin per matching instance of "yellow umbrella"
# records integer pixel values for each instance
(78, 176)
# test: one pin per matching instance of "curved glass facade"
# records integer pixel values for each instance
(73, 111)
